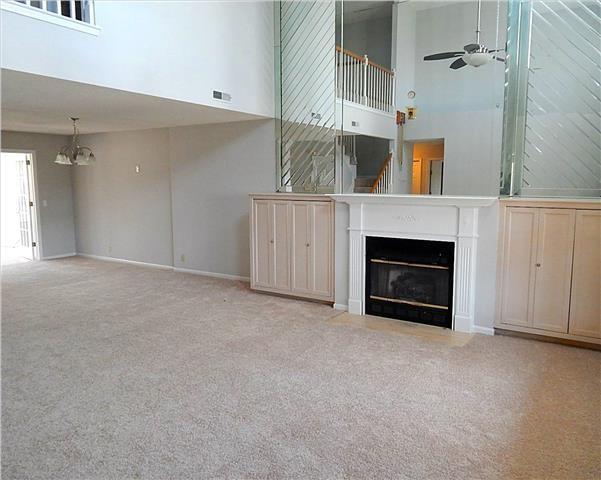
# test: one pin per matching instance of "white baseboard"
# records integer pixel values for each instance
(225, 276)
(129, 262)
(64, 255)
(483, 330)
(340, 306)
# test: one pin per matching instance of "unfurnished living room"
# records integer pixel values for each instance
(300, 239)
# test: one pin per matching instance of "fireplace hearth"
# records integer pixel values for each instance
(410, 280)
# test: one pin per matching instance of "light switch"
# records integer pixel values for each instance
(137, 168)
(44, 203)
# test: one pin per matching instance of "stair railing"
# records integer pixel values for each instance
(362, 81)
(383, 183)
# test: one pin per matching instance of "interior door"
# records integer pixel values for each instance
(553, 269)
(280, 226)
(436, 169)
(301, 241)
(519, 254)
(585, 302)
(263, 245)
(320, 249)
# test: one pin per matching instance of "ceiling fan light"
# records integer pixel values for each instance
(63, 159)
(477, 59)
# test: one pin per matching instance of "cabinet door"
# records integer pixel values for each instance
(262, 247)
(519, 253)
(320, 249)
(280, 241)
(301, 238)
(553, 269)
(585, 310)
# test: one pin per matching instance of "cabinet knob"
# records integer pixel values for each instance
(307, 245)
(538, 264)
(271, 241)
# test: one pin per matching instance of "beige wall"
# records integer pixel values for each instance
(55, 199)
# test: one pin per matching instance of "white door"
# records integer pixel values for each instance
(519, 254)
(585, 309)
(553, 269)
(18, 207)
(436, 169)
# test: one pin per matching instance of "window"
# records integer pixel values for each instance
(75, 14)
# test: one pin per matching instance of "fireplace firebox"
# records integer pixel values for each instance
(410, 280)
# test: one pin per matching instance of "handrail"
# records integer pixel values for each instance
(384, 177)
(356, 56)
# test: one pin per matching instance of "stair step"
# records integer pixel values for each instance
(364, 181)
(362, 189)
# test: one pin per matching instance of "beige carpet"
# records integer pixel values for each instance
(112, 371)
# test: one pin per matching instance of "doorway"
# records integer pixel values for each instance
(428, 168)
(19, 214)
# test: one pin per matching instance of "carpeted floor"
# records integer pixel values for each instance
(112, 371)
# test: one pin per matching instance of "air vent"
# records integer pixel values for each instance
(226, 97)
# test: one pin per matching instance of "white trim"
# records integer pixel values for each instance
(225, 276)
(49, 17)
(63, 255)
(129, 262)
(483, 330)
(341, 307)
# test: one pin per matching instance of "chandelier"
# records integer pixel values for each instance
(74, 153)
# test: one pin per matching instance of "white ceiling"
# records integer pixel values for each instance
(32, 103)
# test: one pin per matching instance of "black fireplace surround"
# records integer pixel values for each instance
(410, 280)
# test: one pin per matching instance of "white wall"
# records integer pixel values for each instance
(120, 213)
(55, 199)
(464, 107)
(213, 170)
(172, 49)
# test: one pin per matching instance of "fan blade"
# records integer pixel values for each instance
(471, 47)
(443, 55)
(457, 64)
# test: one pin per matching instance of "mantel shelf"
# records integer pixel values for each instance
(426, 200)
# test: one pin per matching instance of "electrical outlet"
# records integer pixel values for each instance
(182, 258)
(411, 113)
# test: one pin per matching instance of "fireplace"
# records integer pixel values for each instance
(410, 280)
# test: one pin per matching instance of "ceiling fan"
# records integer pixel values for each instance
(473, 54)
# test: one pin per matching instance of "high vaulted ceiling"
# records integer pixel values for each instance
(32, 103)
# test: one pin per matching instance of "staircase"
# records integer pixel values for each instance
(364, 184)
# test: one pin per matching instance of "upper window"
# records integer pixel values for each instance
(75, 14)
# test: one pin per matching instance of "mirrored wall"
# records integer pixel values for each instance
(439, 97)
(552, 143)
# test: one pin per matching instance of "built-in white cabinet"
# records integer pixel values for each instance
(292, 245)
(550, 268)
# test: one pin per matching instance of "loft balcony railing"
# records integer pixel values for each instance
(361, 81)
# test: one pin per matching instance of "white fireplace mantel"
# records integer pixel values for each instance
(424, 217)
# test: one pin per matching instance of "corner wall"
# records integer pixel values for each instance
(57, 235)
(188, 206)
